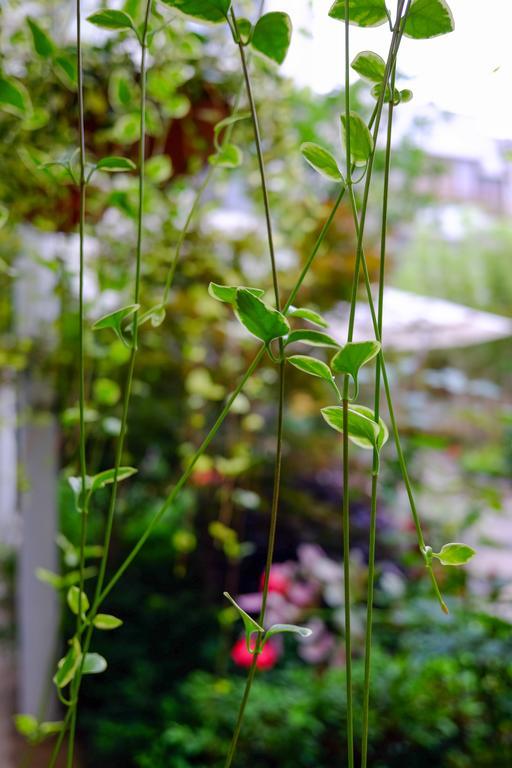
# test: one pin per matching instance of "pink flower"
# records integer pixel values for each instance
(267, 658)
(279, 580)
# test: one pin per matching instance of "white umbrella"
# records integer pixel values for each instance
(414, 323)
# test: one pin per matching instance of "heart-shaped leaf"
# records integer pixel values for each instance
(264, 322)
(42, 42)
(428, 18)
(314, 368)
(106, 622)
(362, 13)
(251, 626)
(227, 293)
(454, 554)
(308, 314)
(93, 664)
(321, 160)
(311, 337)
(111, 19)
(114, 164)
(114, 320)
(73, 600)
(370, 65)
(352, 357)
(213, 11)
(272, 35)
(362, 431)
(361, 142)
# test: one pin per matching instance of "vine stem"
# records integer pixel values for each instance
(81, 352)
(76, 683)
(345, 443)
(375, 462)
(281, 397)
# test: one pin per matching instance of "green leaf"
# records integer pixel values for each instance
(377, 90)
(277, 629)
(66, 70)
(251, 626)
(73, 598)
(213, 11)
(112, 19)
(308, 314)
(108, 476)
(428, 18)
(228, 156)
(369, 65)
(43, 44)
(115, 164)
(406, 95)
(361, 142)
(363, 431)
(352, 357)
(27, 726)
(244, 27)
(383, 430)
(230, 120)
(156, 316)
(106, 622)
(48, 728)
(14, 97)
(114, 321)
(227, 293)
(4, 215)
(314, 368)
(454, 554)
(158, 168)
(321, 160)
(94, 664)
(264, 322)
(76, 487)
(272, 35)
(67, 667)
(362, 13)
(314, 338)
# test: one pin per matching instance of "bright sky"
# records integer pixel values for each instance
(458, 72)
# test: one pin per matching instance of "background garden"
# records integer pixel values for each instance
(442, 685)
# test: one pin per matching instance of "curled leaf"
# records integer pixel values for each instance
(264, 322)
(251, 626)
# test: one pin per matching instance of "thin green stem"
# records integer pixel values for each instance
(81, 346)
(279, 436)
(375, 464)
(268, 565)
(76, 683)
(345, 443)
(261, 162)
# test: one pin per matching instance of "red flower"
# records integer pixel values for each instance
(278, 580)
(267, 658)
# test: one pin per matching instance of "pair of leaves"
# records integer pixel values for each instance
(361, 147)
(362, 428)
(270, 36)
(227, 155)
(102, 621)
(93, 664)
(262, 321)
(96, 482)
(426, 18)
(34, 731)
(115, 320)
(252, 627)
